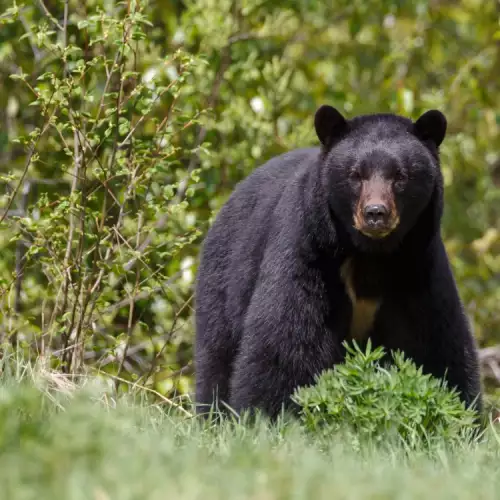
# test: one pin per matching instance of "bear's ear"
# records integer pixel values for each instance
(329, 124)
(431, 126)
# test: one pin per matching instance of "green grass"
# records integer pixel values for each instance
(60, 442)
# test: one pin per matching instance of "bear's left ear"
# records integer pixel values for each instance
(329, 124)
(431, 126)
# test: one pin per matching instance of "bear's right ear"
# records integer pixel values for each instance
(329, 124)
(431, 126)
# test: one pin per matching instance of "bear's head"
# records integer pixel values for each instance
(381, 173)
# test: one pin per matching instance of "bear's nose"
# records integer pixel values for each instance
(375, 214)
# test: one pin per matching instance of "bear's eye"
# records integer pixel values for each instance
(400, 176)
(355, 176)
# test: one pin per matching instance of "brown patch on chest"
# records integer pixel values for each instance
(363, 309)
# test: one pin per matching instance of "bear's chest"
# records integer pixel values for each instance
(364, 281)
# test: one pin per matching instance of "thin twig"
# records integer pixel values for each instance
(132, 296)
(49, 15)
(72, 218)
(23, 175)
(167, 340)
(74, 186)
(65, 36)
(27, 164)
(156, 393)
(34, 48)
(143, 117)
(20, 251)
(143, 295)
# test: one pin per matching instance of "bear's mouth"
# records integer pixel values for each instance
(376, 231)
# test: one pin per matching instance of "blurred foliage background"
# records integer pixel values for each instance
(124, 126)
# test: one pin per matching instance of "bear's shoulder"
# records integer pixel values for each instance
(256, 196)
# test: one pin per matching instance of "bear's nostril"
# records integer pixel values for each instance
(375, 213)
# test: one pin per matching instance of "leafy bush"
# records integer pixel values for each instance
(378, 401)
(101, 244)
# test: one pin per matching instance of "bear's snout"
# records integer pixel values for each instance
(376, 214)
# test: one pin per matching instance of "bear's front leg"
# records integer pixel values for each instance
(452, 348)
(453, 354)
(435, 319)
(285, 344)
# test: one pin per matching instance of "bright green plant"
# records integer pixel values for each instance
(379, 400)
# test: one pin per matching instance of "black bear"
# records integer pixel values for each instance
(327, 244)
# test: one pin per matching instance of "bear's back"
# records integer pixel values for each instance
(235, 244)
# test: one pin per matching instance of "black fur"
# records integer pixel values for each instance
(271, 308)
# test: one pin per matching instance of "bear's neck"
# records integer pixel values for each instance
(427, 230)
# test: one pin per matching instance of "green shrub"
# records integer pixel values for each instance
(379, 401)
